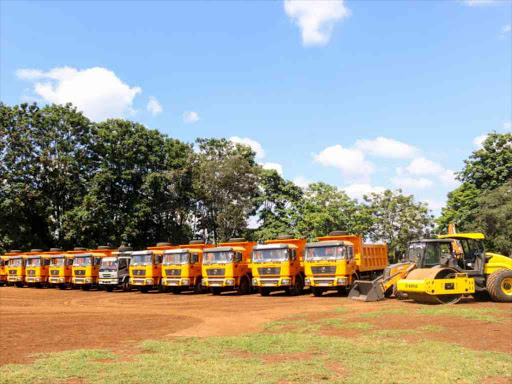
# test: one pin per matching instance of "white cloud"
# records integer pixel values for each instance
(190, 117)
(506, 29)
(316, 18)
(477, 3)
(98, 92)
(387, 148)
(275, 166)
(435, 204)
(411, 182)
(422, 166)
(256, 146)
(507, 126)
(479, 140)
(302, 182)
(349, 161)
(447, 178)
(154, 106)
(357, 191)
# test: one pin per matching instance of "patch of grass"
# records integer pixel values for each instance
(339, 310)
(394, 332)
(432, 328)
(484, 314)
(338, 323)
(219, 360)
(371, 315)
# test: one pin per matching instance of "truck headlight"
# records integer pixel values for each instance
(342, 280)
(19, 278)
(254, 281)
(185, 281)
(87, 280)
(307, 282)
(61, 279)
(285, 281)
(230, 282)
(203, 282)
(38, 279)
(149, 281)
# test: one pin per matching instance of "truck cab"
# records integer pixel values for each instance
(60, 270)
(227, 267)
(16, 267)
(37, 268)
(277, 266)
(4, 263)
(335, 261)
(146, 268)
(115, 270)
(181, 268)
(86, 267)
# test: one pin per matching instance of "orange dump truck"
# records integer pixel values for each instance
(146, 267)
(4, 263)
(227, 267)
(61, 269)
(277, 266)
(335, 261)
(86, 266)
(37, 268)
(16, 267)
(181, 270)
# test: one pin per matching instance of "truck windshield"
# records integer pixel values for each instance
(218, 257)
(15, 262)
(57, 261)
(142, 259)
(263, 255)
(33, 262)
(176, 258)
(108, 265)
(325, 253)
(415, 252)
(82, 261)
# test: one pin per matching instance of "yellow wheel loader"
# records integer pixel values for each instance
(425, 253)
(469, 271)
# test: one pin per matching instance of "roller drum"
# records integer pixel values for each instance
(432, 274)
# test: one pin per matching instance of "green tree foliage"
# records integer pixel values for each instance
(226, 180)
(141, 190)
(494, 218)
(276, 205)
(460, 208)
(46, 157)
(398, 219)
(325, 208)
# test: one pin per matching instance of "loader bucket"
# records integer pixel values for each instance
(366, 290)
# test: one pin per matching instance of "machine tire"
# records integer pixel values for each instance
(216, 291)
(389, 292)
(317, 292)
(399, 295)
(245, 286)
(264, 291)
(297, 288)
(499, 285)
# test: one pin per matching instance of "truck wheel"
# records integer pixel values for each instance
(198, 288)
(126, 286)
(297, 287)
(317, 292)
(264, 291)
(216, 291)
(108, 288)
(499, 285)
(244, 287)
(399, 295)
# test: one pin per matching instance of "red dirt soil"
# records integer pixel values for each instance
(48, 320)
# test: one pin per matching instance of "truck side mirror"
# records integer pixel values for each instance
(238, 257)
(193, 258)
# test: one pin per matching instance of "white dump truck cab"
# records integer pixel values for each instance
(115, 270)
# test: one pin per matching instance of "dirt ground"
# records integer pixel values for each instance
(47, 320)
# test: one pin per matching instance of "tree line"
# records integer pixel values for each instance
(67, 181)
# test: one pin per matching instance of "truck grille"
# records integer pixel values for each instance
(269, 271)
(55, 272)
(106, 275)
(80, 272)
(215, 272)
(173, 272)
(323, 270)
(11, 272)
(139, 272)
(31, 272)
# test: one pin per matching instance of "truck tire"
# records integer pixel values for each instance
(198, 287)
(245, 287)
(264, 291)
(499, 285)
(297, 288)
(399, 295)
(317, 292)
(126, 286)
(108, 288)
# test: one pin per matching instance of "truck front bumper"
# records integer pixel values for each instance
(272, 281)
(15, 279)
(84, 280)
(177, 282)
(326, 281)
(109, 282)
(59, 280)
(229, 282)
(36, 279)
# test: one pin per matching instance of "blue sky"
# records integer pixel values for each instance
(363, 95)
